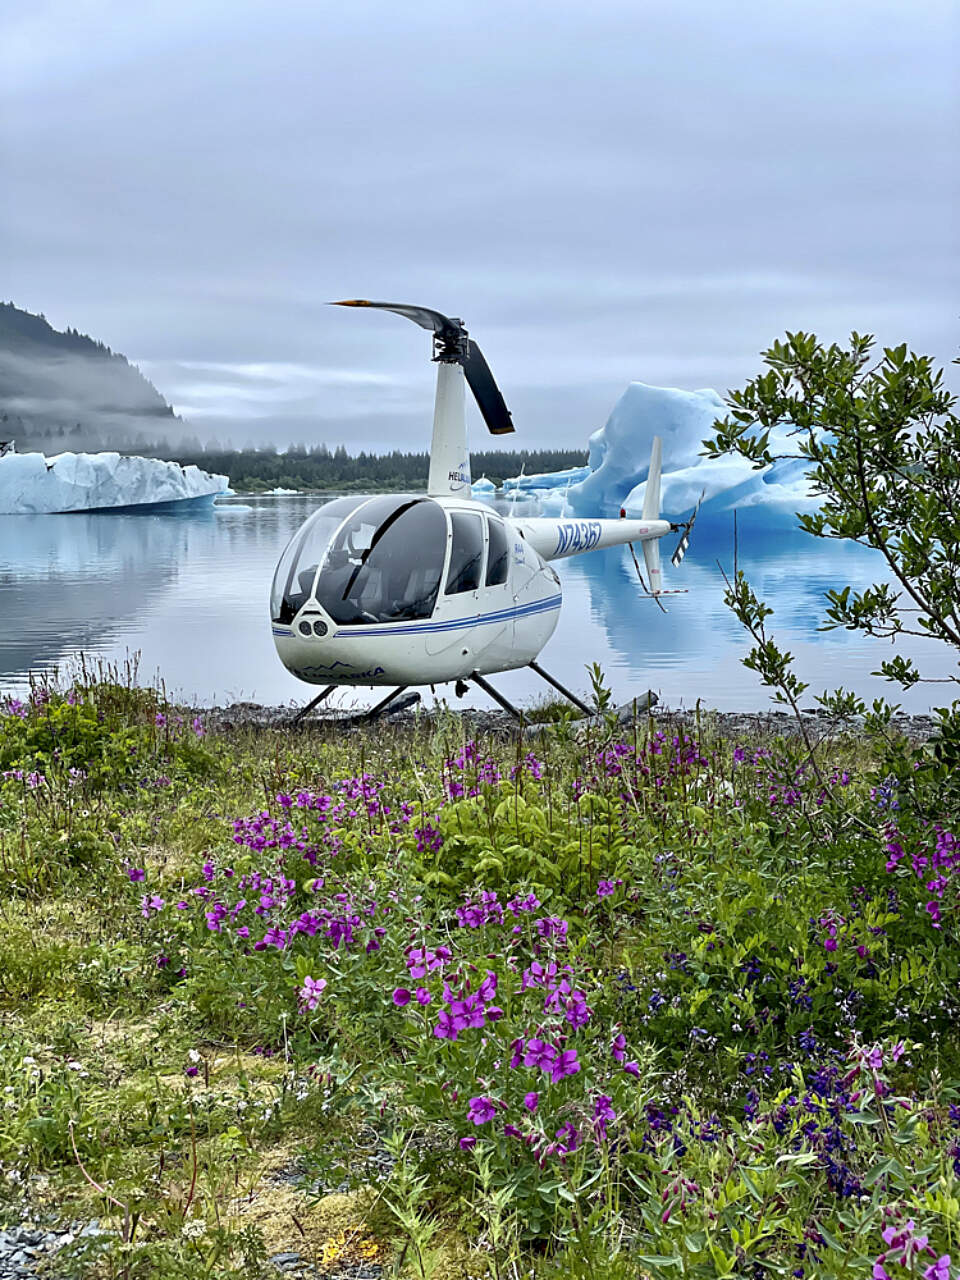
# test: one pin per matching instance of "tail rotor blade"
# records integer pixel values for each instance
(486, 392)
(687, 527)
(681, 550)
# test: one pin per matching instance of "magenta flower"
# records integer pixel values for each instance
(565, 1065)
(577, 1012)
(605, 888)
(603, 1109)
(481, 1110)
(939, 1270)
(311, 991)
(619, 1046)
(422, 995)
(569, 1138)
(632, 1069)
(539, 1054)
(136, 873)
(401, 996)
(530, 1101)
(468, 1142)
(446, 1028)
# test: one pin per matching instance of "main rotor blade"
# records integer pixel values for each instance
(423, 316)
(486, 392)
(453, 345)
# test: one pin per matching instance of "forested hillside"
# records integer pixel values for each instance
(256, 470)
(65, 390)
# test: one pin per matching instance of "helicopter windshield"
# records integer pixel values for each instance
(385, 563)
(297, 570)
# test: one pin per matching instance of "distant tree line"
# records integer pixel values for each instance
(257, 470)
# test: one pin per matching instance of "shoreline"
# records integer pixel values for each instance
(723, 724)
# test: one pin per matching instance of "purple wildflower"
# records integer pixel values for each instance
(481, 1110)
(311, 991)
(565, 1065)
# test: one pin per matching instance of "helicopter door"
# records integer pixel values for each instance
(462, 589)
(496, 599)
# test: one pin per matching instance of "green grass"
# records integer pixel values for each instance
(165, 1077)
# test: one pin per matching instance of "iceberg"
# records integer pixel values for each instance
(32, 484)
(620, 456)
(620, 450)
(547, 479)
(483, 485)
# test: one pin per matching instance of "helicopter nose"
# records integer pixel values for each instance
(315, 627)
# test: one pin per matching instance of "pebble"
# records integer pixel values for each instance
(25, 1248)
(727, 724)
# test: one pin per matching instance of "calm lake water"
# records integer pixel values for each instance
(189, 595)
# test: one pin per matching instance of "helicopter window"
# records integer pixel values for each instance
(498, 554)
(466, 553)
(385, 563)
(294, 578)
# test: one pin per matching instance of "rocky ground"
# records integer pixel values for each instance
(727, 724)
(28, 1250)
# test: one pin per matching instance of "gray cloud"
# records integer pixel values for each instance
(604, 193)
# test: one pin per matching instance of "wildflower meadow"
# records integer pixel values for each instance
(612, 1001)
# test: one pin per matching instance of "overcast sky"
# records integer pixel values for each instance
(604, 191)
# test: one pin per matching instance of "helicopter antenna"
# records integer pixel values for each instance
(459, 358)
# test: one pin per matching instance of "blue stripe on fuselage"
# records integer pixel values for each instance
(455, 624)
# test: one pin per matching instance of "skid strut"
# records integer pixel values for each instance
(478, 679)
(545, 675)
(305, 711)
(384, 703)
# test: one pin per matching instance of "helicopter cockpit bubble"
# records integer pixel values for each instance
(385, 562)
(365, 560)
(296, 573)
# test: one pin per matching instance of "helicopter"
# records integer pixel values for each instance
(424, 589)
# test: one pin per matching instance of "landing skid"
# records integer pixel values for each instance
(362, 717)
(508, 706)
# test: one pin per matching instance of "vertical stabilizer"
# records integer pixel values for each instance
(449, 459)
(651, 494)
(651, 511)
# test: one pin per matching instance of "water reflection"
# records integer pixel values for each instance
(189, 593)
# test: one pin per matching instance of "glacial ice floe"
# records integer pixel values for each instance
(547, 479)
(32, 484)
(620, 456)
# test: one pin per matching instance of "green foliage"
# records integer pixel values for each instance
(737, 946)
(880, 442)
(881, 446)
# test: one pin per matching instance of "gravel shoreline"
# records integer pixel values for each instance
(724, 724)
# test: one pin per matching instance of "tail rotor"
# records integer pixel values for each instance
(687, 527)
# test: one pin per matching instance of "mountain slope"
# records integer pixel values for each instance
(63, 390)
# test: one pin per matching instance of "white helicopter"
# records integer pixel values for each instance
(414, 589)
